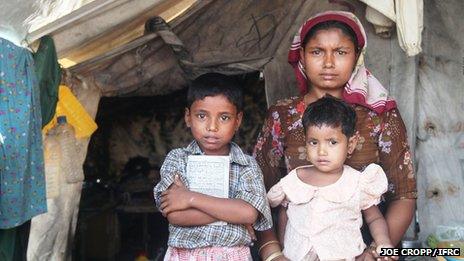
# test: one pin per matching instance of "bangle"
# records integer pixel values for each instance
(268, 243)
(274, 255)
(372, 247)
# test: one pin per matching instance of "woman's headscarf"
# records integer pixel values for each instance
(362, 88)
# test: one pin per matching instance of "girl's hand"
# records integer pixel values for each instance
(378, 250)
(365, 256)
(177, 197)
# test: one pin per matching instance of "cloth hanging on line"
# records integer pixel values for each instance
(49, 77)
(22, 179)
(408, 16)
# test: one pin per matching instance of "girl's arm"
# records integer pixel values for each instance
(377, 225)
(378, 228)
(235, 211)
(399, 215)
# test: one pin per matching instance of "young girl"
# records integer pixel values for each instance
(326, 200)
(213, 115)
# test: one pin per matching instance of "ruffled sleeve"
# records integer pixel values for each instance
(373, 183)
(276, 195)
(290, 189)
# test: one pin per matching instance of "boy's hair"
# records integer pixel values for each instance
(212, 84)
(332, 112)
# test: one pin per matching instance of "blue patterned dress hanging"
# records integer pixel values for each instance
(22, 179)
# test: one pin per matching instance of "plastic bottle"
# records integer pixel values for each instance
(52, 162)
(69, 165)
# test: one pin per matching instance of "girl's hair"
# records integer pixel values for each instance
(332, 112)
(212, 84)
(346, 30)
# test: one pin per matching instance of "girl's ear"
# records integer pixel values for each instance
(352, 142)
(187, 117)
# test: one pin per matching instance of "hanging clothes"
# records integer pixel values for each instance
(49, 77)
(408, 16)
(22, 179)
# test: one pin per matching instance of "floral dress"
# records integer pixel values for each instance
(382, 140)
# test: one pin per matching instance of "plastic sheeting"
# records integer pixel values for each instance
(18, 17)
(440, 117)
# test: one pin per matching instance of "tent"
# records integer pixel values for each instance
(124, 49)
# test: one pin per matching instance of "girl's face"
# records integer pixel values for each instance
(329, 58)
(327, 148)
(213, 122)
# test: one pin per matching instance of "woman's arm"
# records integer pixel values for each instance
(235, 211)
(396, 161)
(268, 152)
(268, 244)
(283, 218)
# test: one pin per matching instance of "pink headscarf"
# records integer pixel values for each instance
(362, 88)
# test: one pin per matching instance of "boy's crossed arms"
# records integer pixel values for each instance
(183, 207)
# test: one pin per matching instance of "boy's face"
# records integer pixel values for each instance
(327, 148)
(213, 122)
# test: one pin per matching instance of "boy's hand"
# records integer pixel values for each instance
(251, 231)
(177, 197)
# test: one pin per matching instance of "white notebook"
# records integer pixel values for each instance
(209, 175)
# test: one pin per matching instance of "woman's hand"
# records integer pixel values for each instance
(177, 197)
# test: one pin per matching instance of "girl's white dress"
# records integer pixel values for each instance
(325, 221)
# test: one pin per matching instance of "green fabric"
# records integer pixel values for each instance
(13, 242)
(49, 77)
(7, 243)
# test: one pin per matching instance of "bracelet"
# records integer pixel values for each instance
(268, 243)
(372, 247)
(274, 255)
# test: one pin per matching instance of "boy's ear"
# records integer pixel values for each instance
(352, 142)
(239, 120)
(187, 117)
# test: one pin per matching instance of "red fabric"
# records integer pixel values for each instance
(362, 88)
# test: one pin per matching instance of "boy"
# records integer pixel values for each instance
(213, 114)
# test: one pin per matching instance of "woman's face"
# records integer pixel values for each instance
(329, 58)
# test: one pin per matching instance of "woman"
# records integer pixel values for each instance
(328, 58)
